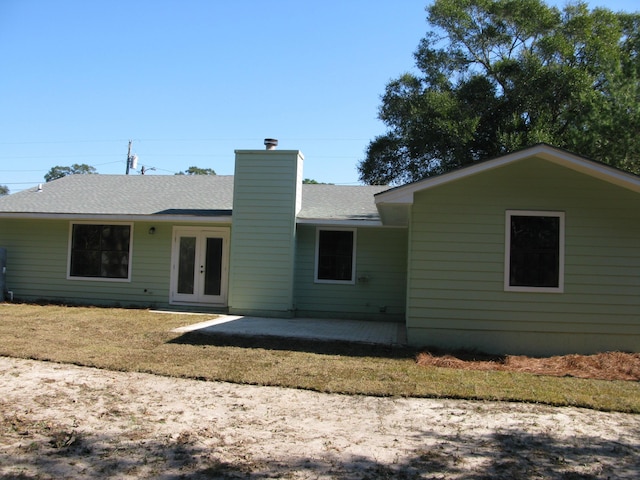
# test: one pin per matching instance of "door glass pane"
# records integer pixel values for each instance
(186, 264)
(213, 267)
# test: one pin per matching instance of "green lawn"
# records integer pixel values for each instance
(141, 341)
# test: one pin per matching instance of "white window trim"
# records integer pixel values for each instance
(507, 251)
(99, 279)
(353, 256)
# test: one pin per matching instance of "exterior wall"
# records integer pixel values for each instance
(456, 296)
(266, 195)
(381, 257)
(37, 256)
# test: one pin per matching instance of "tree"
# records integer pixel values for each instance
(4, 190)
(500, 75)
(197, 171)
(59, 172)
(311, 181)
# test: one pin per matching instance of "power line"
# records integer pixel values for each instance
(107, 163)
(41, 169)
(164, 140)
(22, 157)
(21, 183)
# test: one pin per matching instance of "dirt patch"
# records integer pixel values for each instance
(602, 366)
(63, 421)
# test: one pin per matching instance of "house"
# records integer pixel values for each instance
(534, 252)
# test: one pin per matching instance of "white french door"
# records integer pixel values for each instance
(200, 265)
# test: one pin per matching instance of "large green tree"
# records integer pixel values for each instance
(494, 76)
(58, 172)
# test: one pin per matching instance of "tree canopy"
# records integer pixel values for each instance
(4, 190)
(197, 171)
(495, 76)
(59, 172)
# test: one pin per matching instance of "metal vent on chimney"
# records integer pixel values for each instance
(271, 143)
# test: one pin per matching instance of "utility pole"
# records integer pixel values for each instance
(132, 161)
(128, 158)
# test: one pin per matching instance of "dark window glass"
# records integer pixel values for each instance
(186, 265)
(335, 255)
(213, 269)
(535, 251)
(100, 251)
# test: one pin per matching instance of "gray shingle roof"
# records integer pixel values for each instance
(125, 195)
(200, 195)
(338, 202)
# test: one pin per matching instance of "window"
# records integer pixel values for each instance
(335, 256)
(100, 251)
(534, 256)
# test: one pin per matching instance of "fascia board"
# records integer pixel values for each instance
(594, 169)
(404, 194)
(269, 152)
(342, 223)
(117, 218)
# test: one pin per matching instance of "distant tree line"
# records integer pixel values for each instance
(197, 171)
(83, 169)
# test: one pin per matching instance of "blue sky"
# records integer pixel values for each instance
(189, 81)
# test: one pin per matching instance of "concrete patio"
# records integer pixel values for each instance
(356, 331)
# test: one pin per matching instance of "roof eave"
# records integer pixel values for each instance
(116, 217)
(342, 222)
(394, 214)
(404, 195)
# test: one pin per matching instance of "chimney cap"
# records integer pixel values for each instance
(271, 143)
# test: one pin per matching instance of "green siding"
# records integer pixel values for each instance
(456, 294)
(37, 255)
(381, 256)
(263, 238)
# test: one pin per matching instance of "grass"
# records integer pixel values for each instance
(141, 341)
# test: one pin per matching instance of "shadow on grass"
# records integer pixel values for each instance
(502, 454)
(322, 347)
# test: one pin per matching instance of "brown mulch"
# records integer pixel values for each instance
(602, 366)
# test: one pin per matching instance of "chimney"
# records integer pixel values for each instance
(267, 197)
(271, 143)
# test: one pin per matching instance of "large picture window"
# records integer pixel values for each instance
(335, 256)
(534, 257)
(100, 251)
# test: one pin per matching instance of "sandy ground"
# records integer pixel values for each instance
(62, 421)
